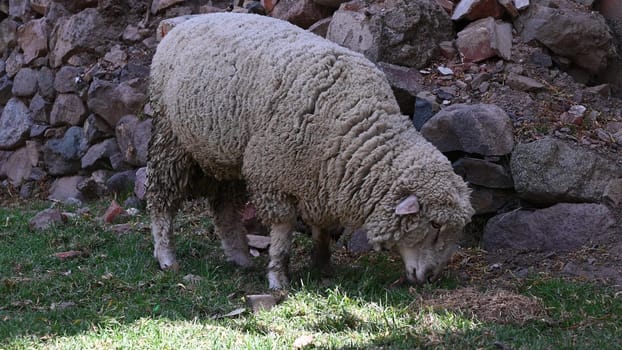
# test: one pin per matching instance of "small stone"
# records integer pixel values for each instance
(445, 70)
(260, 302)
(303, 341)
(523, 83)
(113, 212)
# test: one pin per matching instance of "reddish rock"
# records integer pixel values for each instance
(509, 7)
(302, 13)
(167, 24)
(447, 5)
(32, 37)
(68, 109)
(485, 38)
(477, 9)
(448, 49)
(113, 212)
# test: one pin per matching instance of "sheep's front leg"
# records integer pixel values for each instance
(280, 248)
(321, 250)
(164, 244)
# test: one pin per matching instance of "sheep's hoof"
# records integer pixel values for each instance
(277, 280)
(171, 266)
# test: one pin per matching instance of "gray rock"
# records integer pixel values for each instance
(62, 156)
(581, 36)
(8, 34)
(260, 302)
(96, 129)
(6, 86)
(562, 227)
(406, 33)
(19, 164)
(84, 31)
(159, 5)
(406, 82)
(40, 109)
(66, 78)
(330, 3)
(99, 154)
(483, 173)
(14, 63)
(32, 37)
(140, 184)
(483, 129)
(15, 123)
(613, 193)
(488, 200)
(68, 109)
(320, 27)
(358, 242)
(46, 219)
(20, 9)
(132, 94)
(551, 170)
(423, 112)
(25, 82)
(64, 188)
(92, 189)
(104, 100)
(122, 182)
(45, 81)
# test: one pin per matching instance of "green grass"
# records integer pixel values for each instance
(114, 297)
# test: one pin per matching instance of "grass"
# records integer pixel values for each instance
(113, 296)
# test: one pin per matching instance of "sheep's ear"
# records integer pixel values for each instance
(410, 205)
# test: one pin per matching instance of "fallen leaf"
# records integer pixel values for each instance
(68, 254)
(234, 313)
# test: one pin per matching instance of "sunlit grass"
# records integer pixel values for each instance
(113, 296)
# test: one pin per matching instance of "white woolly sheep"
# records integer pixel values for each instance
(311, 129)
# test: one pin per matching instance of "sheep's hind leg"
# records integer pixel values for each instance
(280, 250)
(227, 203)
(321, 250)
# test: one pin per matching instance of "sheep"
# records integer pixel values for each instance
(250, 104)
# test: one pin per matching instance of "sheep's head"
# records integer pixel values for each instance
(426, 226)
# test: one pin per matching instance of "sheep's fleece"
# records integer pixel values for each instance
(250, 104)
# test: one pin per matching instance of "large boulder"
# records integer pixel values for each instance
(562, 227)
(551, 170)
(400, 32)
(15, 123)
(106, 99)
(25, 82)
(581, 36)
(483, 129)
(85, 31)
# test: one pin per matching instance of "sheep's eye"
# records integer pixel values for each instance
(436, 225)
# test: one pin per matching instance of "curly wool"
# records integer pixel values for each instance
(311, 127)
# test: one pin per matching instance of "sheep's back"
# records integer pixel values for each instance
(221, 79)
